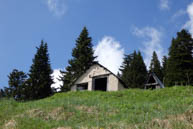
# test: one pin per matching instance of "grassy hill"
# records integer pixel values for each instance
(140, 109)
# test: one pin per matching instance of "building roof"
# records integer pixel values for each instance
(111, 73)
(157, 80)
(96, 63)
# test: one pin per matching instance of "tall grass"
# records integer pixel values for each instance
(123, 109)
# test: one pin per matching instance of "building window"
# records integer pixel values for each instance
(82, 87)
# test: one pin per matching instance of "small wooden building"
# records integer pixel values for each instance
(153, 82)
(97, 77)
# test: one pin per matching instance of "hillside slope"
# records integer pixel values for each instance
(164, 108)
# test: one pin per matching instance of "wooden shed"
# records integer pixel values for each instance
(97, 77)
(153, 82)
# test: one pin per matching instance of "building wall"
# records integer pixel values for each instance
(112, 83)
(94, 71)
(157, 87)
(121, 87)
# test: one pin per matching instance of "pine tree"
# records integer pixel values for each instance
(155, 66)
(16, 83)
(2, 93)
(180, 61)
(82, 59)
(40, 79)
(67, 79)
(125, 70)
(139, 71)
(134, 71)
(164, 67)
(8, 92)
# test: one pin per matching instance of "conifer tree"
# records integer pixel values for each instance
(125, 70)
(140, 71)
(67, 79)
(82, 59)
(134, 71)
(40, 79)
(16, 83)
(180, 61)
(155, 66)
(8, 92)
(2, 93)
(164, 67)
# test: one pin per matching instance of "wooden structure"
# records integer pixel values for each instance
(153, 82)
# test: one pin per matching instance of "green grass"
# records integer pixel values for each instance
(164, 108)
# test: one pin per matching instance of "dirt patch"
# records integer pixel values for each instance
(169, 121)
(10, 124)
(79, 128)
(60, 114)
(63, 128)
(55, 114)
(164, 124)
(36, 113)
(189, 116)
(86, 109)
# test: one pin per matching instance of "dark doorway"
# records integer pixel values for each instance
(152, 80)
(82, 87)
(151, 83)
(101, 84)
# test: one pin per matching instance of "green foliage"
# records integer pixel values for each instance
(180, 61)
(126, 70)
(82, 59)
(8, 92)
(17, 84)
(133, 108)
(40, 80)
(67, 79)
(155, 66)
(164, 67)
(2, 93)
(134, 71)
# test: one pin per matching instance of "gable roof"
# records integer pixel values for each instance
(111, 73)
(96, 63)
(157, 80)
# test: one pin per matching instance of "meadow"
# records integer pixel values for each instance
(170, 108)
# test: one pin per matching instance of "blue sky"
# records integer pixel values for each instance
(117, 27)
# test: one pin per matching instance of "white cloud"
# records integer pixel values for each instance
(58, 7)
(56, 74)
(189, 24)
(178, 14)
(151, 43)
(110, 53)
(164, 5)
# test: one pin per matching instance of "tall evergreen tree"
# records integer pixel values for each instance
(2, 93)
(67, 79)
(82, 59)
(16, 83)
(40, 79)
(8, 92)
(180, 61)
(125, 70)
(134, 71)
(155, 66)
(140, 71)
(164, 67)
